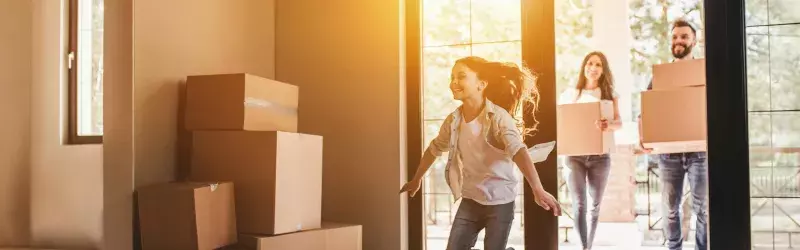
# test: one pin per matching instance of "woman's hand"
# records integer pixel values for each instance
(411, 187)
(547, 201)
(602, 124)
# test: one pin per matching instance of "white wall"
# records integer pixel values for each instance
(347, 57)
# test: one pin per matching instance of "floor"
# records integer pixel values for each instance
(610, 236)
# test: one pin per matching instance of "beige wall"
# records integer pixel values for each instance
(50, 194)
(15, 78)
(174, 39)
(347, 58)
(66, 181)
(154, 45)
(118, 126)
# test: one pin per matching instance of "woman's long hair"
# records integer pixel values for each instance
(606, 81)
(509, 86)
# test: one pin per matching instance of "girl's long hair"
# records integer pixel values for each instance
(606, 81)
(509, 86)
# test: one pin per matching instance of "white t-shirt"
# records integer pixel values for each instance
(489, 176)
(587, 95)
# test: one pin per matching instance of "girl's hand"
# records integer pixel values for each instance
(411, 187)
(547, 201)
(602, 124)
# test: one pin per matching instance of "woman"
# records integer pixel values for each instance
(484, 142)
(589, 173)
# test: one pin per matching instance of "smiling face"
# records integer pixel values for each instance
(464, 83)
(593, 69)
(683, 40)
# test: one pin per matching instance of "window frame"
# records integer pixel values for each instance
(72, 82)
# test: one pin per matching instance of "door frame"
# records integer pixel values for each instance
(539, 54)
(414, 130)
(728, 148)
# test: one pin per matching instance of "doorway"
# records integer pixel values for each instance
(552, 37)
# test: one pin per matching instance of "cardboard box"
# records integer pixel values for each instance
(674, 121)
(577, 132)
(187, 216)
(332, 236)
(278, 176)
(680, 74)
(240, 102)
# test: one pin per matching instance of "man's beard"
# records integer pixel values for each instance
(686, 51)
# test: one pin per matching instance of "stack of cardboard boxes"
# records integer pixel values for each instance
(244, 132)
(674, 111)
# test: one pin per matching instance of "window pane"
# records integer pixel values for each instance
(573, 38)
(784, 11)
(503, 52)
(786, 218)
(439, 208)
(784, 62)
(431, 130)
(761, 223)
(758, 68)
(90, 68)
(761, 181)
(756, 12)
(445, 22)
(496, 20)
(760, 130)
(786, 130)
(438, 62)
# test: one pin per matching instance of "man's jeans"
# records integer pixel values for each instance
(472, 217)
(674, 167)
(587, 175)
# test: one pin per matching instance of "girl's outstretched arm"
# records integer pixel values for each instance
(424, 164)
(439, 145)
(543, 198)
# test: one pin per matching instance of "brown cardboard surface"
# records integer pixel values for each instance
(278, 176)
(577, 133)
(240, 102)
(674, 120)
(332, 236)
(687, 73)
(187, 216)
(677, 147)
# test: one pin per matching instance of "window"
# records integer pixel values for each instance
(85, 67)
(773, 98)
